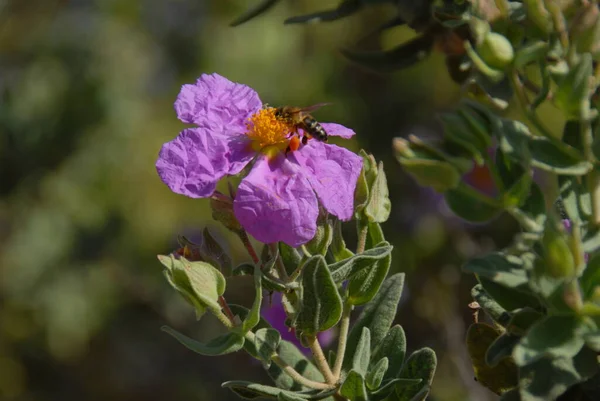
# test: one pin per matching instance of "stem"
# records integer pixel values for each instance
(342, 340)
(226, 308)
(587, 139)
(290, 371)
(320, 360)
(576, 246)
(246, 241)
(558, 19)
(223, 318)
(363, 230)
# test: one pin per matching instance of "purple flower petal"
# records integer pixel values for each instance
(240, 154)
(334, 129)
(276, 203)
(192, 163)
(216, 100)
(332, 171)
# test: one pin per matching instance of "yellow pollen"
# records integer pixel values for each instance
(264, 129)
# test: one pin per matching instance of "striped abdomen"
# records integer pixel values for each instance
(314, 129)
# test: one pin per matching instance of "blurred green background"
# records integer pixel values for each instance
(86, 94)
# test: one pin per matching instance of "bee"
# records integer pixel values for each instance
(299, 118)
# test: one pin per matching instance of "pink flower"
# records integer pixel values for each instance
(277, 200)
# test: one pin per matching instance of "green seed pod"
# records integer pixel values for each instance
(496, 51)
(558, 260)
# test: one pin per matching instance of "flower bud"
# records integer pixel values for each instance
(496, 51)
(558, 260)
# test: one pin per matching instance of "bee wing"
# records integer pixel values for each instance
(313, 107)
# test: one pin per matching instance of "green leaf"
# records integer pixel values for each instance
(225, 344)
(377, 315)
(250, 391)
(501, 348)
(522, 320)
(379, 206)
(362, 355)
(420, 364)
(365, 283)
(555, 336)
(198, 282)
(457, 129)
(497, 268)
(509, 298)
(514, 139)
(376, 374)
(590, 279)
(498, 378)
(490, 305)
(353, 387)
(392, 347)
(291, 258)
(212, 251)
(254, 12)
(439, 175)
(574, 88)
(321, 302)
(288, 397)
(403, 56)
(470, 207)
(322, 239)
(344, 9)
(291, 355)
(548, 378)
(338, 246)
(254, 315)
(266, 342)
(557, 157)
(344, 269)
(530, 53)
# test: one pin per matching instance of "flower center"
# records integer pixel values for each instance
(264, 129)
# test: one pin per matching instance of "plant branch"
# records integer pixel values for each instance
(320, 360)
(363, 230)
(246, 241)
(342, 340)
(587, 140)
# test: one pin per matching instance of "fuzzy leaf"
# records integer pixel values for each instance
(254, 314)
(499, 378)
(338, 246)
(377, 315)
(375, 376)
(379, 206)
(575, 87)
(250, 391)
(354, 387)
(555, 336)
(198, 282)
(402, 56)
(344, 9)
(590, 279)
(344, 269)
(362, 355)
(264, 6)
(490, 305)
(420, 364)
(291, 258)
(222, 345)
(546, 378)
(501, 348)
(509, 298)
(322, 239)
(266, 342)
(392, 347)
(497, 268)
(471, 208)
(321, 302)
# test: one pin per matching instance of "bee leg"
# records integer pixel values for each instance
(304, 139)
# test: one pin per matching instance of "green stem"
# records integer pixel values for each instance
(320, 360)
(279, 262)
(342, 340)
(363, 230)
(290, 371)
(576, 245)
(223, 318)
(587, 139)
(524, 104)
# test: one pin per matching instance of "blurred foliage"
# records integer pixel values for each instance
(86, 93)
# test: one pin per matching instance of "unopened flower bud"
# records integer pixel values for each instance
(496, 51)
(558, 260)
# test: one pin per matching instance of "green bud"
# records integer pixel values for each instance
(539, 16)
(558, 259)
(496, 51)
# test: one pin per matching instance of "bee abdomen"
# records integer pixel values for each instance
(315, 129)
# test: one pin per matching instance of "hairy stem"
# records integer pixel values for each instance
(279, 262)
(363, 230)
(587, 139)
(223, 318)
(290, 371)
(342, 340)
(320, 360)
(246, 241)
